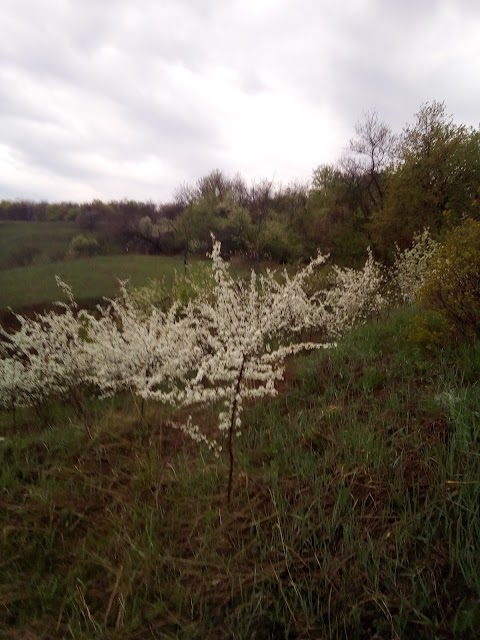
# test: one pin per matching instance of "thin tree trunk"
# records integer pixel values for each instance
(14, 415)
(230, 431)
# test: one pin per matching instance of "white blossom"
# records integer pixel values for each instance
(45, 356)
(411, 266)
(354, 296)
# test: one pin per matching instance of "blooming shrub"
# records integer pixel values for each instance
(132, 344)
(355, 296)
(225, 345)
(412, 266)
(45, 357)
(245, 332)
(131, 349)
(15, 383)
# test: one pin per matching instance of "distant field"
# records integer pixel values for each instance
(89, 278)
(47, 240)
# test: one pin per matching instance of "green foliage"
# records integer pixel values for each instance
(235, 228)
(162, 292)
(279, 241)
(82, 246)
(428, 330)
(436, 182)
(336, 214)
(324, 221)
(326, 176)
(327, 214)
(194, 226)
(453, 286)
(351, 247)
(56, 212)
(218, 213)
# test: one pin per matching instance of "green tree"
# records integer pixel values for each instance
(279, 241)
(345, 196)
(436, 182)
(334, 219)
(234, 226)
(83, 246)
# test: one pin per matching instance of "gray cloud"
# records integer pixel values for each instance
(123, 98)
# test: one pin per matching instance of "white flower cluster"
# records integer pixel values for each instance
(244, 333)
(193, 432)
(133, 350)
(355, 296)
(46, 356)
(221, 349)
(412, 265)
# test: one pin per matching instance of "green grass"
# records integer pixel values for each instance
(48, 241)
(33, 284)
(355, 511)
(90, 278)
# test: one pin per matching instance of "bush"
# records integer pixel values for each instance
(453, 285)
(428, 331)
(280, 243)
(412, 266)
(82, 246)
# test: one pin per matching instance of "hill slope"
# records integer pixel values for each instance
(355, 513)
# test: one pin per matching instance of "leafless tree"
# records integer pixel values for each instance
(374, 147)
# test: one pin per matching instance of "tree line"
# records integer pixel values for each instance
(383, 190)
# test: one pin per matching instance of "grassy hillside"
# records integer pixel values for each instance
(33, 253)
(45, 241)
(89, 278)
(355, 510)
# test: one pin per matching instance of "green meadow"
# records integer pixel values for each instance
(89, 278)
(40, 242)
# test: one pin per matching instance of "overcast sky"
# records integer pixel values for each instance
(130, 98)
